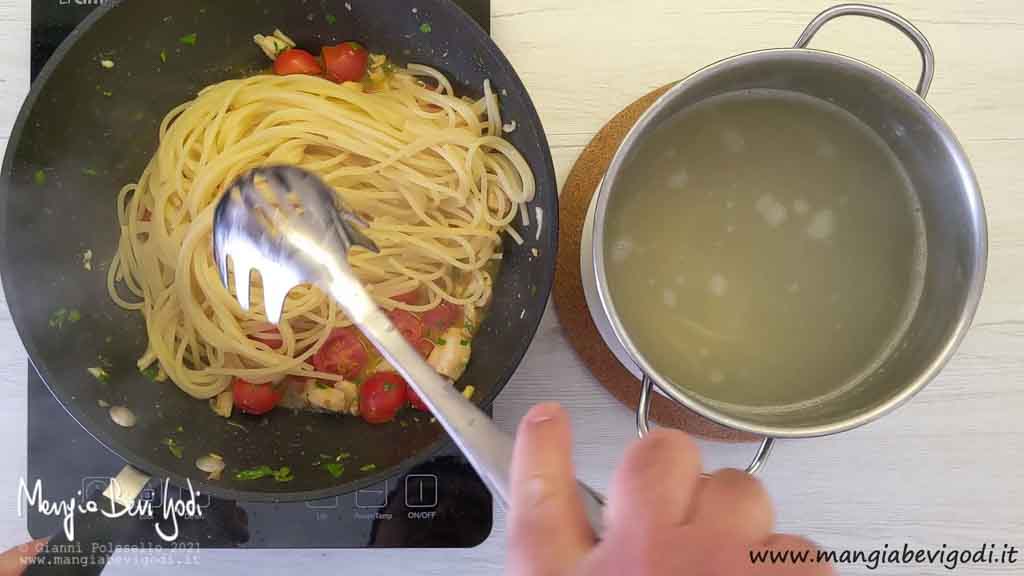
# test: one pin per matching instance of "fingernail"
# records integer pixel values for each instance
(543, 413)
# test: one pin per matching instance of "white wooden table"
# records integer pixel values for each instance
(946, 469)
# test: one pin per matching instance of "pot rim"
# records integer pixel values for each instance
(975, 283)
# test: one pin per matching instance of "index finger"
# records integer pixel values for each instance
(548, 531)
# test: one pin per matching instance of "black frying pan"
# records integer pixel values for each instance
(90, 130)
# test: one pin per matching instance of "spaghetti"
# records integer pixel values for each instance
(428, 170)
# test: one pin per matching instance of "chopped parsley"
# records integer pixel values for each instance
(99, 373)
(173, 447)
(90, 172)
(334, 469)
(163, 56)
(426, 28)
(108, 93)
(441, 341)
(189, 39)
(58, 317)
(368, 468)
(254, 473)
(331, 18)
(282, 474)
(62, 316)
(180, 429)
(464, 342)
(152, 372)
(324, 459)
(39, 177)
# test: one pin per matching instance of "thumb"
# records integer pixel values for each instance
(548, 531)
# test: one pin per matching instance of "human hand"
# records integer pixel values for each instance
(14, 561)
(662, 517)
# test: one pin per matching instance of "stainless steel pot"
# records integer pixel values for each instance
(941, 176)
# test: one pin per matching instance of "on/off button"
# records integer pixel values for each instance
(421, 491)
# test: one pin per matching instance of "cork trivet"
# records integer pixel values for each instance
(570, 302)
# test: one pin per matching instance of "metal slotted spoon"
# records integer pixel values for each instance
(290, 226)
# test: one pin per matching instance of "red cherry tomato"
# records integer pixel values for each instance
(411, 298)
(342, 354)
(345, 62)
(296, 61)
(425, 347)
(408, 324)
(415, 402)
(444, 316)
(270, 336)
(255, 399)
(381, 397)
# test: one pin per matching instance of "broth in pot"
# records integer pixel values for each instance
(766, 250)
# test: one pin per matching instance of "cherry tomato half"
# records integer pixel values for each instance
(444, 316)
(270, 336)
(408, 324)
(411, 298)
(414, 401)
(381, 397)
(255, 399)
(424, 347)
(342, 354)
(294, 61)
(345, 62)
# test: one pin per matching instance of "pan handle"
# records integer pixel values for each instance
(643, 426)
(889, 17)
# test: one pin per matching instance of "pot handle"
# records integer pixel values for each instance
(901, 23)
(643, 427)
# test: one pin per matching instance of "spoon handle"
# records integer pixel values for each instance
(488, 449)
